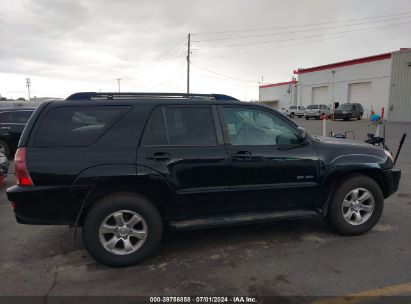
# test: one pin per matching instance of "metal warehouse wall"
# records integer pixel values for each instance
(377, 73)
(285, 94)
(400, 93)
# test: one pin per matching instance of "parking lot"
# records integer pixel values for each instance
(287, 258)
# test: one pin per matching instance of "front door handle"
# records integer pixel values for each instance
(159, 156)
(243, 155)
(5, 128)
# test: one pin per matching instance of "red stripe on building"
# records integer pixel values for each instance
(344, 63)
(278, 84)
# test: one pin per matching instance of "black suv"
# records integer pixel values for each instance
(123, 166)
(12, 123)
(347, 111)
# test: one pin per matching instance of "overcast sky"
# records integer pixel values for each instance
(66, 46)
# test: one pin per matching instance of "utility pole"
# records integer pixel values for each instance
(118, 83)
(188, 62)
(28, 86)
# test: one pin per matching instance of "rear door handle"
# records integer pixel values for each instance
(243, 155)
(159, 156)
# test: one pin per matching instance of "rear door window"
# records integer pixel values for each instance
(76, 126)
(180, 126)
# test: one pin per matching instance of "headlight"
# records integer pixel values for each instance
(388, 153)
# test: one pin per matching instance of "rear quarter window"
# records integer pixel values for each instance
(77, 126)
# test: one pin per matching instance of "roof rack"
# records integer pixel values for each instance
(113, 96)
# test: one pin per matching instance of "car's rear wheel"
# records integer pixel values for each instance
(360, 116)
(356, 205)
(4, 148)
(122, 229)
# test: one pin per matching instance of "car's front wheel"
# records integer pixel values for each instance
(292, 115)
(122, 229)
(356, 205)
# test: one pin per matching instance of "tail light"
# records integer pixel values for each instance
(20, 168)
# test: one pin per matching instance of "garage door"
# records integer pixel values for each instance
(320, 95)
(360, 93)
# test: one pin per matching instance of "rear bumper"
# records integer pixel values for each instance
(392, 178)
(46, 205)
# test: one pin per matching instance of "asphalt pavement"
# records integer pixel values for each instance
(287, 258)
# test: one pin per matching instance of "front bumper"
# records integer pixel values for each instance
(392, 180)
(312, 115)
(341, 115)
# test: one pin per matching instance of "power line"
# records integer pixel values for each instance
(300, 25)
(180, 73)
(224, 75)
(303, 37)
(288, 45)
(161, 84)
(236, 82)
(298, 31)
(282, 46)
(171, 51)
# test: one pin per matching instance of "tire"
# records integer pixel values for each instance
(128, 205)
(292, 115)
(299, 116)
(359, 116)
(4, 147)
(352, 226)
(347, 118)
(307, 118)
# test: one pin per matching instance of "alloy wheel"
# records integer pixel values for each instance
(358, 206)
(123, 232)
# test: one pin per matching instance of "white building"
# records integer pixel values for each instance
(279, 95)
(380, 81)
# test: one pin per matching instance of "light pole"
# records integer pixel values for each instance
(118, 83)
(28, 83)
(332, 93)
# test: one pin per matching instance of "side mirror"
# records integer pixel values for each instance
(301, 133)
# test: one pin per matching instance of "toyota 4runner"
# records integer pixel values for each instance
(124, 166)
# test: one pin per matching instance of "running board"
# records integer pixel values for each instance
(241, 218)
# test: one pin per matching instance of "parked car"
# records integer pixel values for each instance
(186, 162)
(283, 111)
(293, 111)
(12, 123)
(316, 111)
(347, 111)
(4, 168)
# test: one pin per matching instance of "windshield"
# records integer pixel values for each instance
(312, 107)
(345, 106)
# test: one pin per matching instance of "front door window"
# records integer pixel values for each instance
(247, 126)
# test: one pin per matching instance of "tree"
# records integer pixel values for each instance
(21, 98)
